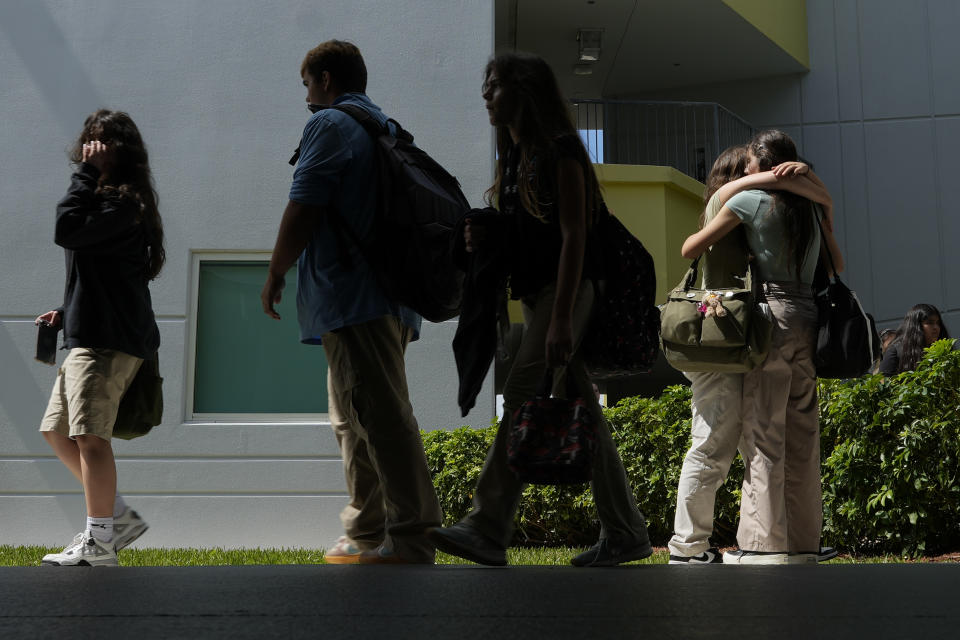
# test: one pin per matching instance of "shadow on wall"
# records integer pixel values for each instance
(41, 46)
(21, 398)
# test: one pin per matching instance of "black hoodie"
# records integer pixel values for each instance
(106, 302)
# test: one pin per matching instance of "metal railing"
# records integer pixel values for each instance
(685, 135)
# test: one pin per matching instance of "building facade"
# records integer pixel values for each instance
(245, 456)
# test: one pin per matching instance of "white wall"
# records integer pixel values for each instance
(214, 87)
(879, 116)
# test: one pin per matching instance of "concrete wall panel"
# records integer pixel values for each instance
(847, 29)
(215, 88)
(853, 214)
(171, 476)
(944, 24)
(894, 59)
(904, 231)
(228, 522)
(948, 171)
(818, 89)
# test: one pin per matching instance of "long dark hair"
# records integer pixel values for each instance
(128, 177)
(542, 117)
(729, 165)
(911, 338)
(771, 148)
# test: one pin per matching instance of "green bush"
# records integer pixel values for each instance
(891, 457)
(652, 436)
(890, 451)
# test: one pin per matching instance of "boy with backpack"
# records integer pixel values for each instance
(331, 219)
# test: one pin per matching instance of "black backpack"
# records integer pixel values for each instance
(418, 206)
(624, 334)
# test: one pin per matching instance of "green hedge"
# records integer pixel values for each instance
(891, 458)
(890, 450)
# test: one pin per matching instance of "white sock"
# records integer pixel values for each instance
(119, 506)
(101, 528)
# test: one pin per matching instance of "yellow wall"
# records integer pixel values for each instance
(783, 21)
(660, 206)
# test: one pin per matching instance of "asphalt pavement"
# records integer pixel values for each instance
(903, 601)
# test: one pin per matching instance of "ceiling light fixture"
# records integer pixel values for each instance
(589, 44)
(582, 70)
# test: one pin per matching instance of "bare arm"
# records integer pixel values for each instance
(720, 226)
(295, 229)
(799, 184)
(788, 169)
(573, 228)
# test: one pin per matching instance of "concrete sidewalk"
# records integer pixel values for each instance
(326, 601)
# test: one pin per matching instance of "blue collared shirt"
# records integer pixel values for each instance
(337, 170)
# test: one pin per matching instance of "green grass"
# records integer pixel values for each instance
(537, 556)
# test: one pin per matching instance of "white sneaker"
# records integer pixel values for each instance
(127, 527)
(84, 551)
(754, 557)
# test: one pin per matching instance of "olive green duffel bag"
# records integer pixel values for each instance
(721, 330)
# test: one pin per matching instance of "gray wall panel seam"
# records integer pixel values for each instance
(887, 119)
(843, 181)
(937, 186)
(859, 58)
(185, 458)
(866, 171)
(193, 494)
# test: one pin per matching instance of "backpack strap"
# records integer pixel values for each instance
(341, 227)
(370, 124)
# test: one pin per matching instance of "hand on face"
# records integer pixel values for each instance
(97, 154)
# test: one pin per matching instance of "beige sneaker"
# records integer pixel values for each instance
(343, 552)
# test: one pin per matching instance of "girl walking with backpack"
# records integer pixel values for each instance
(545, 181)
(780, 515)
(111, 232)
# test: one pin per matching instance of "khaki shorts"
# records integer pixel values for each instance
(87, 392)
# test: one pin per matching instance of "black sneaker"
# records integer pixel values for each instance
(463, 541)
(605, 554)
(827, 553)
(710, 556)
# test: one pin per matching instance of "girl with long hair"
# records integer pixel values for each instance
(545, 181)
(716, 403)
(780, 514)
(112, 235)
(921, 327)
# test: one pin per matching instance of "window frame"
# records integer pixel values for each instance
(198, 256)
